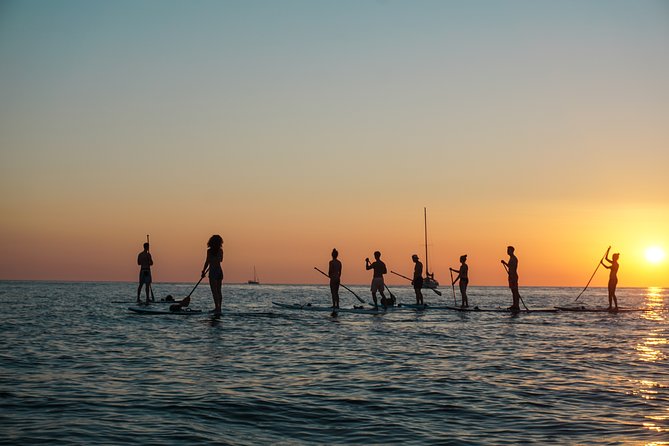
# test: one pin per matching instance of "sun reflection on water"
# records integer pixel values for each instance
(651, 351)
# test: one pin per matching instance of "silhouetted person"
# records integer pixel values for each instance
(512, 271)
(144, 261)
(417, 281)
(334, 271)
(463, 277)
(213, 261)
(613, 278)
(377, 279)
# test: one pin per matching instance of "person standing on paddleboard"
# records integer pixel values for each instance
(334, 272)
(613, 277)
(144, 261)
(512, 270)
(377, 279)
(213, 262)
(463, 277)
(417, 281)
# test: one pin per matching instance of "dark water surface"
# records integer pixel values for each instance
(76, 368)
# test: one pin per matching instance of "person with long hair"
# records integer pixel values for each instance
(213, 262)
(613, 278)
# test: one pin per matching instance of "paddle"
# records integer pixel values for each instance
(453, 286)
(593, 275)
(344, 286)
(521, 297)
(411, 280)
(391, 294)
(153, 298)
(198, 282)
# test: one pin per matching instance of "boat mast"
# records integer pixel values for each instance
(427, 269)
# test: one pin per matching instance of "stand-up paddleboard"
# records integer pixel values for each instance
(148, 310)
(309, 307)
(495, 310)
(584, 309)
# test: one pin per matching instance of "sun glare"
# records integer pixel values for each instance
(655, 254)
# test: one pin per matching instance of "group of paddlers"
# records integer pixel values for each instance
(212, 265)
(214, 257)
(511, 266)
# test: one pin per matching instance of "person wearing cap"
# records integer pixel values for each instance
(334, 272)
(144, 260)
(417, 281)
(463, 277)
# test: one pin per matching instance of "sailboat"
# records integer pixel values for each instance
(255, 280)
(429, 281)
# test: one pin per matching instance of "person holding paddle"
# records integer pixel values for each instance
(213, 262)
(334, 272)
(144, 260)
(463, 277)
(512, 270)
(377, 279)
(613, 277)
(417, 280)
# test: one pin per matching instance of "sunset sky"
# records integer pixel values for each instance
(292, 127)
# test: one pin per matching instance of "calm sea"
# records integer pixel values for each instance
(77, 368)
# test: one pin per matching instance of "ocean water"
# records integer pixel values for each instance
(77, 368)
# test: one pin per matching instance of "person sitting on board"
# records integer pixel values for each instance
(613, 278)
(417, 281)
(144, 260)
(512, 270)
(334, 272)
(463, 277)
(213, 262)
(179, 306)
(377, 279)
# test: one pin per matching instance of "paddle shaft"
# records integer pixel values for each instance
(198, 282)
(591, 277)
(521, 297)
(153, 298)
(407, 278)
(453, 287)
(344, 286)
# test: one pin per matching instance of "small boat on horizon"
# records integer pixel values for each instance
(255, 280)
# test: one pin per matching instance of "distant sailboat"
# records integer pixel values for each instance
(255, 280)
(429, 281)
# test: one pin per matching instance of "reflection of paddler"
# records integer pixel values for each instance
(377, 279)
(512, 271)
(613, 277)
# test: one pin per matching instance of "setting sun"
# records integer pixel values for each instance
(655, 254)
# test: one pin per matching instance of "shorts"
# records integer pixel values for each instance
(418, 284)
(145, 276)
(377, 284)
